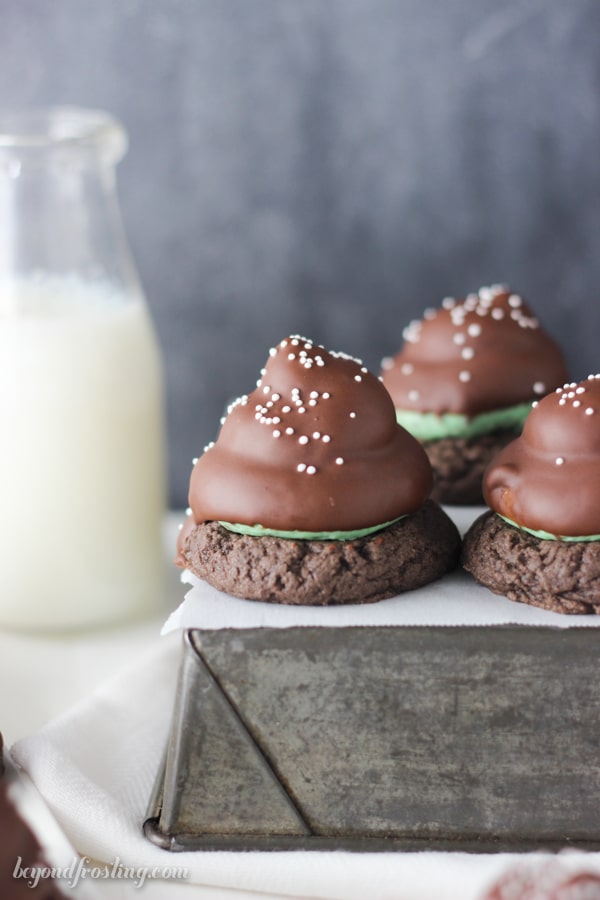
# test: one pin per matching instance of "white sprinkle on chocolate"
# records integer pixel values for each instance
(559, 460)
(303, 439)
(464, 375)
(310, 470)
(474, 330)
(539, 387)
(339, 461)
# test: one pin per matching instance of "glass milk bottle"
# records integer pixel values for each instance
(81, 421)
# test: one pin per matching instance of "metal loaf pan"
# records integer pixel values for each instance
(383, 738)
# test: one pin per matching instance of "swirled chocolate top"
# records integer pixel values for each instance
(315, 447)
(482, 353)
(548, 479)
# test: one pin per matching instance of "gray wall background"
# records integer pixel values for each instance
(331, 167)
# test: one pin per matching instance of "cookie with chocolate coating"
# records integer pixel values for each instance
(464, 381)
(540, 543)
(309, 488)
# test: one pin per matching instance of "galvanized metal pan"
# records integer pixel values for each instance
(383, 738)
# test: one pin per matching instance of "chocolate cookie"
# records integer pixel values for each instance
(418, 549)
(547, 880)
(466, 373)
(556, 575)
(20, 848)
(459, 463)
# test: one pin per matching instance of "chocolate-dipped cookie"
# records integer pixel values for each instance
(548, 880)
(20, 851)
(312, 493)
(540, 542)
(464, 380)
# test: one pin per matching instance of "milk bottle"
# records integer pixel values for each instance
(81, 404)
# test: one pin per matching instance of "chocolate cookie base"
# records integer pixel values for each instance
(459, 463)
(414, 551)
(555, 575)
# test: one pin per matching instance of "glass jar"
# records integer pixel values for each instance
(82, 490)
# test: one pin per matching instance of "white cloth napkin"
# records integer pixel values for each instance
(95, 765)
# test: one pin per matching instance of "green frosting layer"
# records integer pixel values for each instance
(546, 536)
(428, 426)
(259, 531)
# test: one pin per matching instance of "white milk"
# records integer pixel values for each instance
(81, 456)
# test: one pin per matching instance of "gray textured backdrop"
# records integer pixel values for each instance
(332, 167)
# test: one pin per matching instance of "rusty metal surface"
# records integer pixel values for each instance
(379, 738)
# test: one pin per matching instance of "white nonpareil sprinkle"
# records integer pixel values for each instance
(289, 430)
(325, 395)
(474, 330)
(303, 439)
(467, 353)
(358, 378)
(326, 438)
(300, 467)
(459, 338)
(276, 433)
(464, 375)
(413, 396)
(539, 387)
(559, 460)
(497, 313)
(387, 363)
(310, 470)
(352, 415)
(589, 411)
(316, 435)
(515, 301)
(407, 368)
(339, 461)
